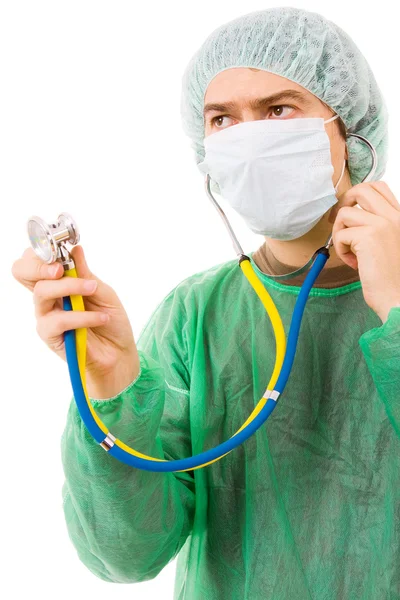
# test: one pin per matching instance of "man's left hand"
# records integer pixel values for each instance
(369, 239)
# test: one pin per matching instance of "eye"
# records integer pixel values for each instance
(279, 110)
(219, 121)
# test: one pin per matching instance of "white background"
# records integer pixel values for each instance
(90, 124)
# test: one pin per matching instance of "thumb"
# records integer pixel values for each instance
(104, 294)
(82, 268)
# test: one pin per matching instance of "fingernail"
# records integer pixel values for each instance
(53, 270)
(90, 286)
(104, 317)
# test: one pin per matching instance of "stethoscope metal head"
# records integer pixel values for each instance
(48, 240)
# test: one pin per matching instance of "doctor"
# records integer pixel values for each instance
(309, 506)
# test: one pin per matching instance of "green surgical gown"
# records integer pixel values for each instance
(307, 508)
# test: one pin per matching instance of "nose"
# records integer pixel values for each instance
(248, 114)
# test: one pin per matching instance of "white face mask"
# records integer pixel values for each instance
(277, 174)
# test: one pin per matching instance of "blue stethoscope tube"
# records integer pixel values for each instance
(233, 442)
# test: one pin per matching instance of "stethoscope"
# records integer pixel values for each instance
(48, 242)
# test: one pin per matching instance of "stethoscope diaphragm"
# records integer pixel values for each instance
(46, 239)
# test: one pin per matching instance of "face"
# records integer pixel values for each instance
(243, 94)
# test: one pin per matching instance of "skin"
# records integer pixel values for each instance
(112, 360)
(368, 239)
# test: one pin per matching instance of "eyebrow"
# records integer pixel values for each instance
(259, 102)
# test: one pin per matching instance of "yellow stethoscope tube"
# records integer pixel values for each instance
(280, 340)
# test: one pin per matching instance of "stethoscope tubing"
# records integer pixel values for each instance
(75, 340)
(223, 448)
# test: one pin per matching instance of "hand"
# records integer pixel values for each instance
(112, 361)
(369, 239)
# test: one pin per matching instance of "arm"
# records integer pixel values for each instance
(127, 524)
(381, 349)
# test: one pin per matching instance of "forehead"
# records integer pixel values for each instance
(244, 84)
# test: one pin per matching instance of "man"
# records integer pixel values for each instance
(309, 506)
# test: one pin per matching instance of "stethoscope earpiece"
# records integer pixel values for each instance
(368, 177)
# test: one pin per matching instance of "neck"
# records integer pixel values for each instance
(297, 252)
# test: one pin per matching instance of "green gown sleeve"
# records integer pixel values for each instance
(381, 349)
(127, 524)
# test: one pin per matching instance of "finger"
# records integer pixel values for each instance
(383, 188)
(54, 324)
(30, 269)
(351, 216)
(46, 292)
(346, 243)
(29, 253)
(369, 199)
(105, 295)
(81, 265)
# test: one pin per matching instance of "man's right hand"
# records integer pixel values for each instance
(112, 360)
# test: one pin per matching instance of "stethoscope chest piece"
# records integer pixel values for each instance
(48, 240)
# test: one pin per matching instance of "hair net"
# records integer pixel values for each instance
(307, 49)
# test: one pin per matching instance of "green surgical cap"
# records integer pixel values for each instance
(305, 48)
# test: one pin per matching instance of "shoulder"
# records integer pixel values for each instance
(188, 301)
(200, 286)
(193, 296)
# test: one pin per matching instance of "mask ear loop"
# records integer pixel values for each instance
(341, 175)
(331, 119)
(237, 247)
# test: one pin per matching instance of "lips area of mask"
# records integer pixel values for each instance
(276, 174)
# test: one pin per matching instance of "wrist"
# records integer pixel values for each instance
(111, 384)
(383, 312)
